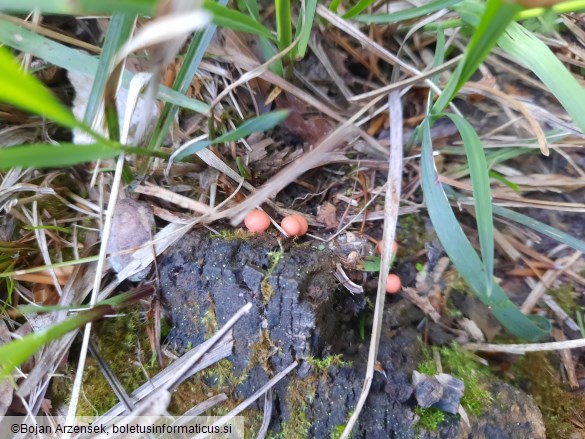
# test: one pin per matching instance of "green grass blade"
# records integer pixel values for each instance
(74, 7)
(15, 353)
(536, 56)
(257, 124)
(559, 8)
(252, 6)
(261, 123)
(26, 92)
(482, 197)
(461, 252)
(112, 119)
(497, 15)
(334, 5)
(305, 32)
(283, 23)
(50, 156)
(174, 97)
(194, 148)
(76, 60)
(492, 158)
(232, 19)
(119, 31)
(540, 227)
(191, 61)
(407, 14)
(358, 8)
(266, 46)
(499, 177)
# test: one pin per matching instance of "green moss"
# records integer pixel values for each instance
(411, 230)
(97, 396)
(429, 418)
(559, 407)
(265, 288)
(299, 397)
(339, 429)
(301, 394)
(209, 318)
(321, 366)
(427, 367)
(261, 351)
(566, 297)
(233, 235)
(123, 342)
(464, 366)
(213, 380)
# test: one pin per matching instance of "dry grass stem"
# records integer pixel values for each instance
(537, 292)
(222, 350)
(521, 349)
(391, 205)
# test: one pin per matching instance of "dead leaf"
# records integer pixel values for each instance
(45, 294)
(310, 129)
(327, 214)
(132, 227)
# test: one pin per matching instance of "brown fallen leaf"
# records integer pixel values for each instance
(310, 129)
(132, 227)
(327, 214)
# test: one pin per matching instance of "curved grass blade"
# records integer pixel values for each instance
(13, 354)
(358, 8)
(232, 19)
(540, 227)
(305, 31)
(72, 59)
(496, 17)
(464, 257)
(119, 31)
(407, 14)
(26, 92)
(536, 56)
(283, 23)
(74, 7)
(50, 156)
(267, 48)
(257, 124)
(482, 197)
(182, 82)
